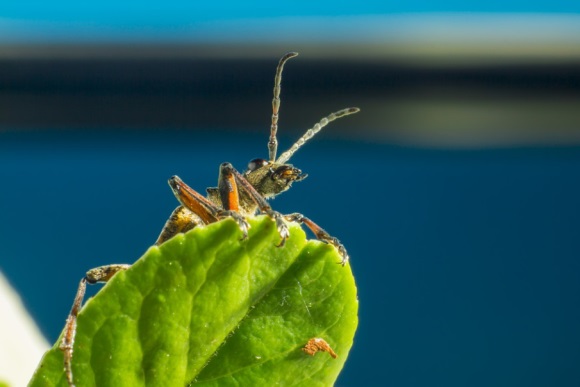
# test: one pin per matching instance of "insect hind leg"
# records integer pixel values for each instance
(98, 274)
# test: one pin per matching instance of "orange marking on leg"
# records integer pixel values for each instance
(233, 201)
(193, 201)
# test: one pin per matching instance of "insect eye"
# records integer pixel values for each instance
(256, 164)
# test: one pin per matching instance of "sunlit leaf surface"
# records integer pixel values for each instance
(207, 308)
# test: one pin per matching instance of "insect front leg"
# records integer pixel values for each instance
(99, 274)
(320, 234)
(240, 181)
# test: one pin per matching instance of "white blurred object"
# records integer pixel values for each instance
(21, 343)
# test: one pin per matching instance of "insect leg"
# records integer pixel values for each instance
(203, 207)
(228, 170)
(99, 274)
(230, 199)
(320, 234)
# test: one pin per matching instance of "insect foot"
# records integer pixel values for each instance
(321, 235)
(281, 226)
(240, 220)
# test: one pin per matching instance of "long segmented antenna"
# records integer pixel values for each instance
(273, 143)
(315, 129)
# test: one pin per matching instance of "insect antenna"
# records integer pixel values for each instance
(312, 131)
(273, 143)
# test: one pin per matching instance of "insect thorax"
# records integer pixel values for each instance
(269, 179)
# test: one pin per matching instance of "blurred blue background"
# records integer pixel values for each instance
(455, 189)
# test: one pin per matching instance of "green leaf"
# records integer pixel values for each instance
(207, 308)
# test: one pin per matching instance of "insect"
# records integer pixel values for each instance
(237, 195)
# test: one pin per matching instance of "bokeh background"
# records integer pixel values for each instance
(456, 188)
